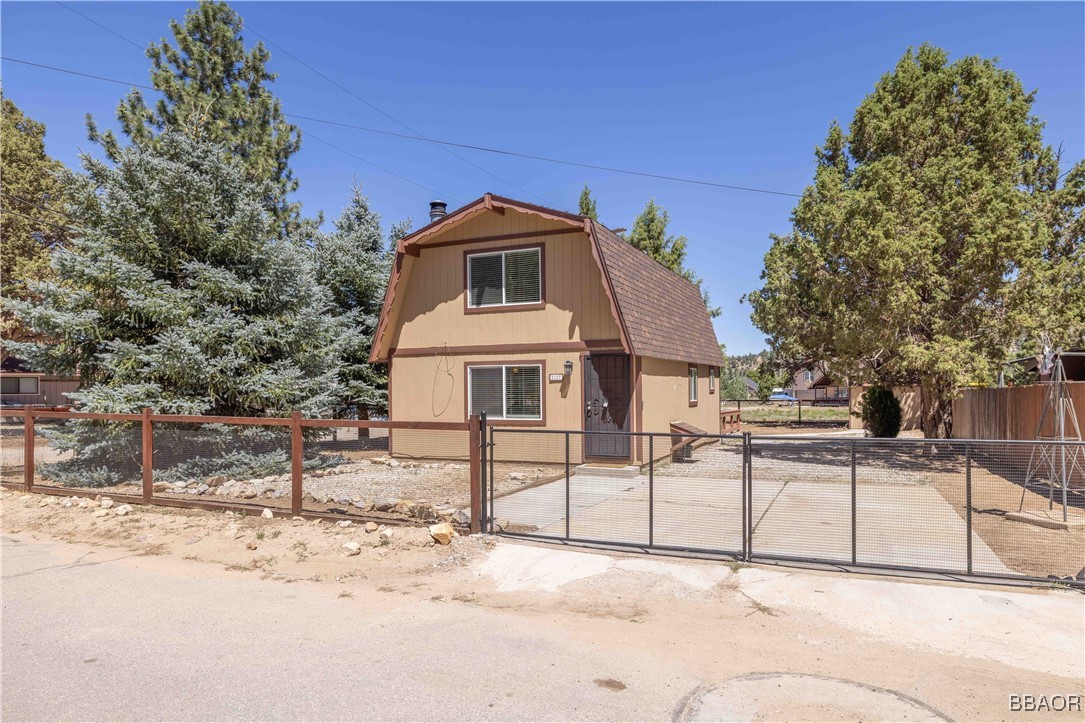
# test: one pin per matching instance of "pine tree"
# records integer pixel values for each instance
(933, 238)
(587, 204)
(353, 263)
(649, 234)
(215, 90)
(175, 299)
(31, 185)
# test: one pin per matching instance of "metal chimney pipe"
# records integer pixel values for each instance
(437, 209)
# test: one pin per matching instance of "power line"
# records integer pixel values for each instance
(35, 205)
(39, 220)
(469, 146)
(103, 27)
(315, 137)
(418, 133)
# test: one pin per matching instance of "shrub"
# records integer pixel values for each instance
(881, 412)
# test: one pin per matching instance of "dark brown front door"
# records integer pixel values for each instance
(606, 405)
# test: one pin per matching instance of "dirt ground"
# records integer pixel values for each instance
(933, 650)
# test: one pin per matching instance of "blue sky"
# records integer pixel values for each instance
(736, 93)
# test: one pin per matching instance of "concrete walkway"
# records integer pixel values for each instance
(898, 525)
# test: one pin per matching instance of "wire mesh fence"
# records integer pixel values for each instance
(992, 508)
(12, 443)
(89, 455)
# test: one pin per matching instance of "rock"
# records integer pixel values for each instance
(442, 533)
(106, 503)
(517, 476)
(384, 505)
(101, 513)
(215, 481)
(350, 549)
(160, 487)
(250, 546)
(364, 506)
(267, 514)
(343, 523)
(202, 489)
(122, 510)
(404, 507)
(393, 463)
(371, 527)
(45, 502)
(461, 517)
(343, 500)
(387, 534)
(247, 493)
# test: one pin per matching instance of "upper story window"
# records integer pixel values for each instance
(692, 385)
(504, 278)
(19, 385)
(808, 376)
(713, 373)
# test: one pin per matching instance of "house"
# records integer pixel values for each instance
(752, 387)
(21, 386)
(813, 384)
(543, 320)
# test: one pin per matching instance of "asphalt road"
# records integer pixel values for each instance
(103, 635)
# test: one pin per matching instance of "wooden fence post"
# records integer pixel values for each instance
(474, 442)
(295, 462)
(28, 448)
(148, 456)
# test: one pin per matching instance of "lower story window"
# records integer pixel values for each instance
(505, 391)
(19, 385)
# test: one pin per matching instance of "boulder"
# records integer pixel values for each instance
(384, 505)
(461, 517)
(123, 510)
(350, 549)
(267, 514)
(343, 523)
(371, 526)
(442, 533)
(101, 513)
(404, 507)
(386, 535)
(106, 503)
(247, 494)
(215, 481)
(160, 487)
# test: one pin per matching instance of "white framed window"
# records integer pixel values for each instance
(808, 376)
(19, 385)
(693, 385)
(504, 278)
(713, 373)
(512, 391)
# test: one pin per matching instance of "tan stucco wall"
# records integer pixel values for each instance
(432, 299)
(664, 387)
(910, 407)
(435, 389)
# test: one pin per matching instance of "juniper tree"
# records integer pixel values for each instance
(175, 296)
(33, 221)
(213, 89)
(353, 262)
(933, 239)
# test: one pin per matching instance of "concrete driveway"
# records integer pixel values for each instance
(907, 525)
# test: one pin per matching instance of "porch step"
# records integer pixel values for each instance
(631, 471)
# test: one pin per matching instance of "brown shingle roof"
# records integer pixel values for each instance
(662, 313)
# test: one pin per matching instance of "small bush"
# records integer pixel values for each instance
(881, 412)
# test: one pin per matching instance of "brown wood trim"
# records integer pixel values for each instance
(638, 404)
(389, 295)
(510, 363)
(390, 435)
(608, 287)
(543, 347)
(210, 419)
(43, 414)
(693, 402)
(541, 304)
(500, 237)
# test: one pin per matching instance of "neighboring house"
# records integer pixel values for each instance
(20, 386)
(752, 387)
(814, 384)
(543, 320)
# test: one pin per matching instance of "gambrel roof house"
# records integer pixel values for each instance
(541, 318)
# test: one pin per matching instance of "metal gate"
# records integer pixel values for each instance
(956, 507)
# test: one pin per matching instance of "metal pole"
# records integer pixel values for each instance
(745, 501)
(800, 411)
(567, 484)
(651, 491)
(749, 496)
(474, 452)
(968, 503)
(28, 448)
(854, 546)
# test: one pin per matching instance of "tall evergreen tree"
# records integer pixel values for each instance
(30, 181)
(587, 205)
(930, 239)
(215, 90)
(353, 263)
(175, 299)
(649, 234)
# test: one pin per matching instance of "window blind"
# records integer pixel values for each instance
(484, 274)
(486, 391)
(523, 392)
(522, 277)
